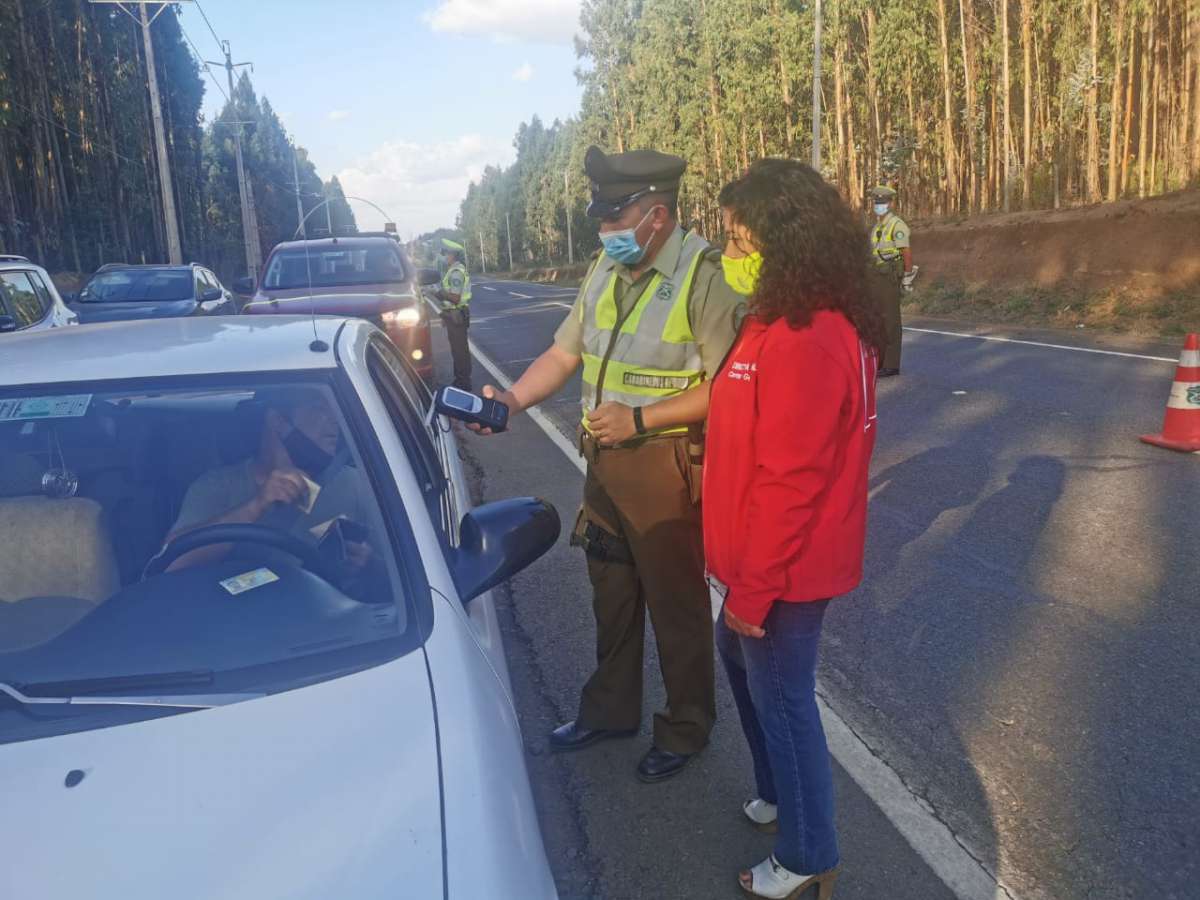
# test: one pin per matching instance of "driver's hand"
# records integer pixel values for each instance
(505, 397)
(286, 486)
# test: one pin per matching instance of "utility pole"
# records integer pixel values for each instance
(299, 206)
(482, 255)
(508, 230)
(170, 221)
(249, 220)
(816, 97)
(567, 207)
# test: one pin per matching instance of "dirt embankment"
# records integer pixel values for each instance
(1128, 266)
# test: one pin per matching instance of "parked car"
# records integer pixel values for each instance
(119, 292)
(28, 299)
(363, 275)
(243, 708)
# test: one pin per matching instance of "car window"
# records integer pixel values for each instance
(211, 280)
(139, 286)
(42, 291)
(409, 418)
(334, 266)
(200, 284)
(118, 479)
(21, 298)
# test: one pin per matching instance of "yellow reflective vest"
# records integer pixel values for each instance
(647, 351)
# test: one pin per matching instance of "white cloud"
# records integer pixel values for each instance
(548, 21)
(524, 72)
(339, 115)
(420, 185)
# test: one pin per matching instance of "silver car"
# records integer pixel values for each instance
(248, 647)
(28, 299)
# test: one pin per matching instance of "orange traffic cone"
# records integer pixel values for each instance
(1181, 427)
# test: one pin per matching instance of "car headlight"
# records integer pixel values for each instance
(404, 318)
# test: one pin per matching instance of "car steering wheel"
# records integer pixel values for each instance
(235, 534)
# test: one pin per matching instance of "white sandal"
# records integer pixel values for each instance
(771, 880)
(762, 815)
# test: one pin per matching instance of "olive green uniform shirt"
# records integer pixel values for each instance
(715, 310)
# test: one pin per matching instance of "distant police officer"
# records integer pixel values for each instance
(455, 298)
(893, 263)
(653, 318)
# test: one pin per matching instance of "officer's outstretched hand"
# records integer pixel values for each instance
(505, 397)
(611, 423)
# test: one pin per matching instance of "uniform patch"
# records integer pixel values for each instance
(665, 291)
(656, 382)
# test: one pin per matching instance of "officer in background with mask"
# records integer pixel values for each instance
(653, 318)
(455, 298)
(892, 257)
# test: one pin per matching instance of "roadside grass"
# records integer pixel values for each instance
(1167, 315)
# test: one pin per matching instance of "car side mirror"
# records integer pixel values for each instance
(69, 296)
(211, 294)
(498, 540)
(244, 286)
(7, 324)
(428, 277)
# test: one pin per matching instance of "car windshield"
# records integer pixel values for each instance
(214, 538)
(331, 266)
(139, 285)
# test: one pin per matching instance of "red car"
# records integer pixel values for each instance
(362, 275)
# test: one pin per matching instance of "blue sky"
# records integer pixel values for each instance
(404, 100)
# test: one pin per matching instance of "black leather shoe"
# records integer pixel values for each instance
(888, 373)
(574, 737)
(658, 765)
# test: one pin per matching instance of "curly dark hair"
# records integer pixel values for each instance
(815, 252)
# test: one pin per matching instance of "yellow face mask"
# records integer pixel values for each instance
(741, 272)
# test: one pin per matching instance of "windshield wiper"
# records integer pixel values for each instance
(128, 682)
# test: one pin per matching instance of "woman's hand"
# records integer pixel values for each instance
(611, 423)
(745, 629)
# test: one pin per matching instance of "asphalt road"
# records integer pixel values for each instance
(1022, 654)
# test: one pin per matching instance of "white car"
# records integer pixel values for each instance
(29, 300)
(247, 643)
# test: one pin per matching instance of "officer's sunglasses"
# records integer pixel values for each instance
(610, 210)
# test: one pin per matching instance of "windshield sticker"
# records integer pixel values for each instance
(61, 407)
(248, 581)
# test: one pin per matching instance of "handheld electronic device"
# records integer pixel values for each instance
(471, 408)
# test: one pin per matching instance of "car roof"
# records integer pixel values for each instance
(349, 240)
(117, 267)
(17, 262)
(205, 345)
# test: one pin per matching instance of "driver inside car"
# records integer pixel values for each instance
(299, 481)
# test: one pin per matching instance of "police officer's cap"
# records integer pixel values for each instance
(619, 179)
(883, 193)
(453, 246)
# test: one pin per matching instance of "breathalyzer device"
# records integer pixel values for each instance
(471, 408)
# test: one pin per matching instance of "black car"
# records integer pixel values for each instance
(119, 292)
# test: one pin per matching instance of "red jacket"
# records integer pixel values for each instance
(791, 427)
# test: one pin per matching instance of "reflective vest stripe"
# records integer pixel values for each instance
(465, 296)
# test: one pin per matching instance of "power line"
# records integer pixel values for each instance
(211, 30)
(202, 61)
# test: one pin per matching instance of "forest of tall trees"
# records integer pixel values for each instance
(966, 106)
(78, 177)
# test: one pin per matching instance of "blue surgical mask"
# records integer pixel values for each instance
(881, 209)
(623, 245)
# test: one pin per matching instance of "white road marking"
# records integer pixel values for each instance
(487, 287)
(916, 821)
(520, 296)
(1005, 340)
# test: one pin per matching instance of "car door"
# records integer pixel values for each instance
(448, 498)
(22, 302)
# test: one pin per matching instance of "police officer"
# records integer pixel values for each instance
(653, 318)
(455, 297)
(892, 257)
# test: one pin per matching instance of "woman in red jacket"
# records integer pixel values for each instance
(790, 431)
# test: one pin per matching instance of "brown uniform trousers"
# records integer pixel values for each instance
(643, 499)
(888, 291)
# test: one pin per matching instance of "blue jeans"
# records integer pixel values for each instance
(774, 685)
